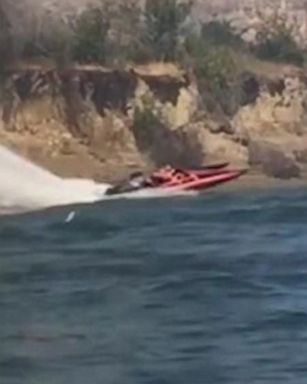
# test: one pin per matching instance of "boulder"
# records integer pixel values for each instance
(273, 161)
(218, 126)
(301, 155)
(218, 148)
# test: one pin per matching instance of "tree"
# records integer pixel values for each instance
(163, 21)
(220, 33)
(279, 45)
(91, 35)
(125, 32)
(6, 40)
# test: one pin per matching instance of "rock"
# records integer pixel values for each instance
(182, 112)
(219, 148)
(222, 126)
(180, 147)
(272, 159)
(66, 148)
(279, 110)
(250, 36)
(250, 88)
(301, 155)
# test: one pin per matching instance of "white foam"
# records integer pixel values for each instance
(25, 186)
(152, 193)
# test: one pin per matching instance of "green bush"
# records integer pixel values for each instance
(220, 33)
(91, 36)
(109, 34)
(125, 45)
(217, 71)
(163, 22)
(218, 74)
(6, 41)
(138, 35)
(280, 47)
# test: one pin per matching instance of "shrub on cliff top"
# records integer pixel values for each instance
(55, 46)
(162, 29)
(6, 43)
(220, 33)
(91, 35)
(279, 45)
(218, 77)
(217, 70)
(121, 32)
(125, 32)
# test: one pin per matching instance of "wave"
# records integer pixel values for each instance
(26, 186)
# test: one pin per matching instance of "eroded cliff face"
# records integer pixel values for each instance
(273, 128)
(93, 121)
(47, 113)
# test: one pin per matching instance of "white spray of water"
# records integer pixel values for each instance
(152, 194)
(25, 186)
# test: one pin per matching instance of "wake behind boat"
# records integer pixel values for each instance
(172, 179)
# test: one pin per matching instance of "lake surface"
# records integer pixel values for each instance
(187, 290)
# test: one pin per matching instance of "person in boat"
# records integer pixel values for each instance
(136, 181)
(166, 174)
(163, 174)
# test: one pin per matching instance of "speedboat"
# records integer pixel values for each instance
(174, 179)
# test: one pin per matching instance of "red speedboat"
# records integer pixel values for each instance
(195, 180)
(178, 179)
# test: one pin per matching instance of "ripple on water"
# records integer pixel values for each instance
(211, 289)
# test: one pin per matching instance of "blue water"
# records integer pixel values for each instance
(187, 290)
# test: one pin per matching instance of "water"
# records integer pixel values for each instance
(208, 289)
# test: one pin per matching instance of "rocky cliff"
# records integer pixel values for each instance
(89, 120)
(128, 118)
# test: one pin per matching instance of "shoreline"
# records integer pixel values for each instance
(112, 173)
(81, 165)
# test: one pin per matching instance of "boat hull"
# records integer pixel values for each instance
(206, 180)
